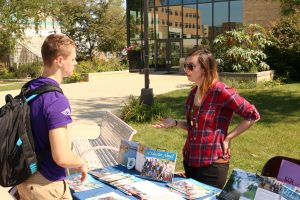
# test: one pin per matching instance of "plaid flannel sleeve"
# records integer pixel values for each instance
(240, 105)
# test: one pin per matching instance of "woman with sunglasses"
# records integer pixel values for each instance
(209, 109)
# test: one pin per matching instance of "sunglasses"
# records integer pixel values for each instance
(189, 66)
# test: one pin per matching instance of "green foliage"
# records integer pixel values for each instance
(136, 111)
(6, 74)
(283, 55)
(241, 50)
(15, 16)
(112, 64)
(250, 84)
(75, 77)
(31, 69)
(290, 6)
(94, 26)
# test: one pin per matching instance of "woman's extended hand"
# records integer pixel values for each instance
(165, 123)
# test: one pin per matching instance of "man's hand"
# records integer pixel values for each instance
(84, 170)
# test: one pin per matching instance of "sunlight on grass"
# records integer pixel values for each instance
(11, 86)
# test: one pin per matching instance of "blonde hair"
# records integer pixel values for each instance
(208, 64)
(56, 45)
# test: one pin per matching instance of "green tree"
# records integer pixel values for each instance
(93, 25)
(290, 6)
(284, 53)
(241, 50)
(15, 17)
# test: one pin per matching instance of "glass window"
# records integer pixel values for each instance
(205, 20)
(188, 45)
(188, 31)
(151, 54)
(162, 28)
(185, 2)
(206, 1)
(220, 17)
(236, 14)
(161, 2)
(135, 21)
(151, 24)
(151, 3)
(176, 31)
(174, 2)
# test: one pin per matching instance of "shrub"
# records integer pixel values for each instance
(29, 69)
(241, 50)
(250, 84)
(283, 55)
(113, 64)
(136, 111)
(5, 73)
(75, 77)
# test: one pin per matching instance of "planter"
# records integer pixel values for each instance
(134, 60)
(257, 77)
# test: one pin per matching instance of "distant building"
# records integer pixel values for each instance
(28, 49)
(176, 26)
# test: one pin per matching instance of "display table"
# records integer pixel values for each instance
(107, 188)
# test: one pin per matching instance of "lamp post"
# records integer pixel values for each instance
(146, 93)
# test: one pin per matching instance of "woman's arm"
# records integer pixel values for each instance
(168, 122)
(239, 129)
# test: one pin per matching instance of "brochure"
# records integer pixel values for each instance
(108, 196)
(289, 173)
(140, 157)
(245, 185)
(76, 185)
(147, 190)
(123, 184)
(192, 189)
(159, 165)
(127, 153)
(108, 174)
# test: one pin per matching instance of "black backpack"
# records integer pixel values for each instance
(18, 160)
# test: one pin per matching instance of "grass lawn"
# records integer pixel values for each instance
(11, 86)
(277, 133)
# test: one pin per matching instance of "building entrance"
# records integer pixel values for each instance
(168, 53)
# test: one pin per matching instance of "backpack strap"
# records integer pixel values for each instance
(30, 94)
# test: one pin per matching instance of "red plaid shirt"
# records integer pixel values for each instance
(210, 123)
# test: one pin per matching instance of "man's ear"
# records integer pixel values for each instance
(59, 60)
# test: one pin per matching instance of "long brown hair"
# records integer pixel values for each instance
(208, 64)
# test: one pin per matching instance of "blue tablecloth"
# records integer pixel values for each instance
(107, 188)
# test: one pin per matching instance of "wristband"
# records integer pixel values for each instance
(176, 122)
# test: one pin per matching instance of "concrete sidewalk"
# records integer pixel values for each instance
(111, 91)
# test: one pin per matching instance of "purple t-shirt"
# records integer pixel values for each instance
(48, 111)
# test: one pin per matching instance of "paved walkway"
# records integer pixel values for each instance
(111, 91)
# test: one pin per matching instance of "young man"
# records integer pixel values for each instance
(50, 115)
